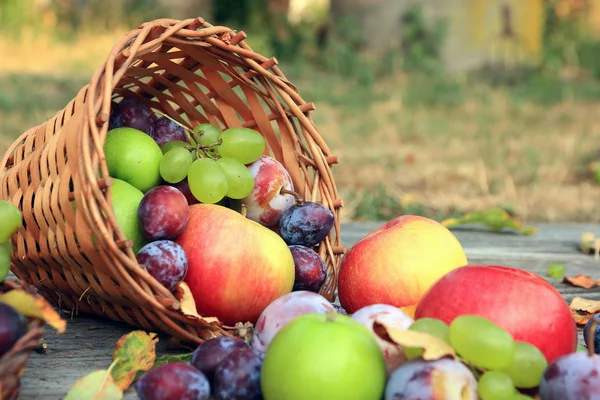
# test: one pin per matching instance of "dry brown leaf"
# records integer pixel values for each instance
(581, 280)
(433, 348)
(34, 306)
(584, 309)
(188, 306)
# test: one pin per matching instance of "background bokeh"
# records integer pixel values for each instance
(435, 107)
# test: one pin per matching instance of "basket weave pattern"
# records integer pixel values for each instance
(12, 363)
(70, 246)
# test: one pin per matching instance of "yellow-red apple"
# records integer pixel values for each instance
(396, 263)
(236, 267)
(521, 302)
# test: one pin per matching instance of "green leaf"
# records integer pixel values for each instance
(495, 219)
(97, 385)
(169, 358)
(134, 352)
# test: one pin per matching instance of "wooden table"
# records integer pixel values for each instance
(88, 342)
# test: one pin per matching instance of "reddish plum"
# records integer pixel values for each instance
(209, 354)
(435, 380)
(12, 327)
(237, 377)
(166, 130)
(163, 213)
(283, 310)
(184, 187)
(176, 380)
(310, 269)
(574, 376)
(132, 113)
(165, 260)
(306, 224)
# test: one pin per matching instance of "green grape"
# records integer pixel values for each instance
(527, 366)
(556, 271)
(495, 385)
(172, 144)
(207, 134)
(174, 164)
(432, 326)
(5, 253)
(11, 220)
(207, 180)
(481, 342)
(239, 177)
(242, 144)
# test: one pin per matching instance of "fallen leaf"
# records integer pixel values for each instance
(133, 352)
(582, 281)
(495, 220)
(97, 385)
(188, 306)
(584, 309)
(433, 347)
(169, 358)
(33, 306)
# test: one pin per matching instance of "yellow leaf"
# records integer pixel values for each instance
(35, 307)
(97, 385)
(433, 348)
(133, 353)
(495, 219)
(188, 306)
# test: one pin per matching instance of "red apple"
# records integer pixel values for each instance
(396, 263)
(236, 267)
(521, 302)
(266, 203)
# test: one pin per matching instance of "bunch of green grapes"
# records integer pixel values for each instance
(214, 163)
(502, 365)
(11, 221)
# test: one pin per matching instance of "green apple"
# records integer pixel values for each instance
(126, 201)
(5, 254)
(323, 356)
(133, 156)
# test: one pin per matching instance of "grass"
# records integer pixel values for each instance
(407, 144)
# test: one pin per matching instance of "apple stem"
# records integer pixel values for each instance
(592, 336)
(296, 195)
(331, 316)
(244, 209)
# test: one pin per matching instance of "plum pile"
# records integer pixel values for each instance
(12, 323)
(222, 368)
(168, 168)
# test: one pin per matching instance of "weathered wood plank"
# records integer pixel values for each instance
(88, 343)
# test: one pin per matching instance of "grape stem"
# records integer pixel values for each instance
(187, 130)
(297, 196)
(591, 337)
(244, 210)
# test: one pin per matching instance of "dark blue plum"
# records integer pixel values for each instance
(306, 224)
(586, 331)
(311, 271)
(166, 130)
(237, 377)
(12, 327)
(209, 354)
(132, 113)
(165, 260)
(176, 380)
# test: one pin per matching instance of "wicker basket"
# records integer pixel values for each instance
(12, 363)
(193, 72)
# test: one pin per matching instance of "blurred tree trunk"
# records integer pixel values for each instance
(372, 26)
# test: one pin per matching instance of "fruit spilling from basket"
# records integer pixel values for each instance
(207, 207)
(303, 349)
